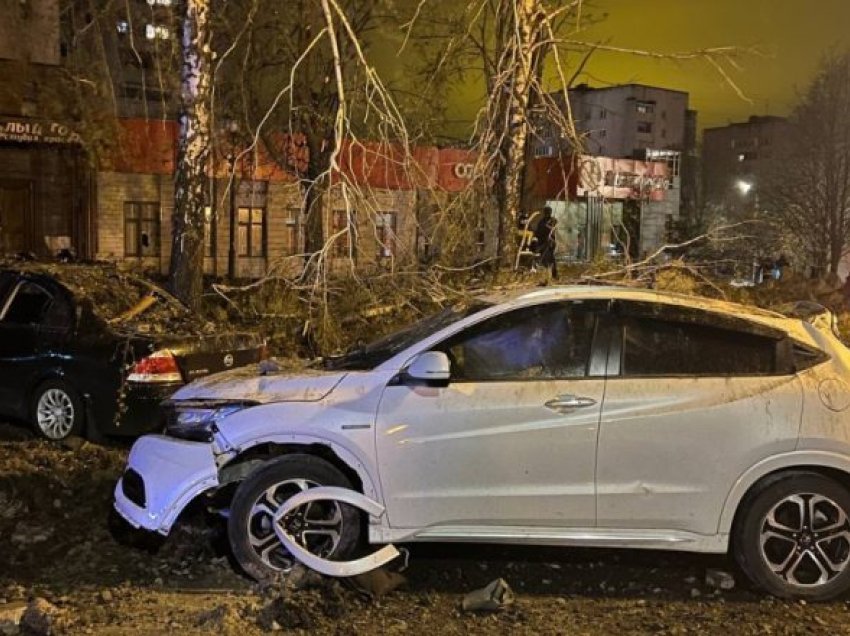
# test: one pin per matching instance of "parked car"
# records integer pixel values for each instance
(575, 416)
(68, 370)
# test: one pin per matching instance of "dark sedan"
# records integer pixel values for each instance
(69, 370)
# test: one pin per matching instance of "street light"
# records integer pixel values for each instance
(744, 187)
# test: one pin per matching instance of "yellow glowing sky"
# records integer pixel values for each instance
(791, 36)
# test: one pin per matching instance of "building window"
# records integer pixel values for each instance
(645, 108)
(251, 237)
(123, 27)
(480, 240)
(157, 32)
(290, 237)
(644, 127)
(209, 233)
(603, 114)
(141, 229)
(664, 133)
(160, 3)
(343, 225)
(385, 231)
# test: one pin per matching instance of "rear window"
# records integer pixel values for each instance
(659, 348)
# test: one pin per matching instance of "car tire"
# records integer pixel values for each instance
(793, 537)
(249, 526)
(56, 411)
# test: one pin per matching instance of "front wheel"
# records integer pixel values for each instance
(57, 411)
(793, 539)
(329, 529)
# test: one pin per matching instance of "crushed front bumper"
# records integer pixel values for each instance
(163, 475)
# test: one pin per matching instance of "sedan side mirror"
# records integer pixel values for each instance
(432, 367)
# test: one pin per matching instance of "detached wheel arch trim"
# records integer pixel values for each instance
(324, 566)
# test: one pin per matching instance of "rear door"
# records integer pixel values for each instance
(693, 399)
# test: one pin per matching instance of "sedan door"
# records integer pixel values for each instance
(510, 442)
(693, 400)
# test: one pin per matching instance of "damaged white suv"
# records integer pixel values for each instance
(576, 416)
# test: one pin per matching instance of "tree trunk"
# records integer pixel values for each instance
(527, 17)
(314, 185)
(190, 179)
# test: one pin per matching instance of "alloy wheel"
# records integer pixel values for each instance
(316, 526)
(55, 414)
(805, 540)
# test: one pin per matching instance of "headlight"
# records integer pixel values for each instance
(195, 422)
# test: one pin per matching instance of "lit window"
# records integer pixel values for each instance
(385, 229)
(123, 26)
(251, 235)
(290, 237)
(343, 222)
(157, 32)
(209, 233)
(645, 108)
(160, 3)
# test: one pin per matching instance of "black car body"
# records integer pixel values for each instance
(114, 374)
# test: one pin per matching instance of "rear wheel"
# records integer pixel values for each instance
(330, 529)
(57, 411)
(793, 539)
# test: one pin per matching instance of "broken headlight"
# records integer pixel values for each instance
(195, 422)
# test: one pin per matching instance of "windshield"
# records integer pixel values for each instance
(365, 358)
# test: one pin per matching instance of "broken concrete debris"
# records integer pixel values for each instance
(719, 579)
(494, 596)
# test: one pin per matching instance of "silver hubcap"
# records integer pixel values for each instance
(55, 413)
(316, 526)
(805, 540)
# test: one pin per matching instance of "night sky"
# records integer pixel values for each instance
(791, 36)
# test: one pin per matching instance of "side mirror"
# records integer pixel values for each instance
(431, 366)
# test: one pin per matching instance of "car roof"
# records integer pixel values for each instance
(518, 297)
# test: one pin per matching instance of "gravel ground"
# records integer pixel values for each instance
(59, 547)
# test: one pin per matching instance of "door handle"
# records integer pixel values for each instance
(564, 403)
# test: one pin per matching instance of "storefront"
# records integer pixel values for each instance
(45, 190)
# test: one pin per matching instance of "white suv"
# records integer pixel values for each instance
(576, 416)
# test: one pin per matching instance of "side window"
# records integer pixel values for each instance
(28, 305)
(534, 343)
(653, 347)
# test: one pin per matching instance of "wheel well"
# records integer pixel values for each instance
(840, 476)
(237, 470)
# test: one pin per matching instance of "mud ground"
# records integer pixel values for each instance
(57, 544)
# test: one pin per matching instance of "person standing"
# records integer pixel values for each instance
(546, 242)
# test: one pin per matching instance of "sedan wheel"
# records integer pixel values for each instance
(795, 537)
(57, 412)
(330, 530)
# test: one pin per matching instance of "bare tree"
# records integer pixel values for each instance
(190, 179)
(807, 191)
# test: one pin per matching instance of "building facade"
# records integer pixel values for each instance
(735, 156)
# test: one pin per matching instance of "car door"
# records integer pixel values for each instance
(511, 440)
(21, 318)
(693, 400)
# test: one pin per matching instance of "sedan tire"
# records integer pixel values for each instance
(330, 530)
(57, 411)
(793, 538)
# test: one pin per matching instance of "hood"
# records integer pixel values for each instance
(248, 383)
